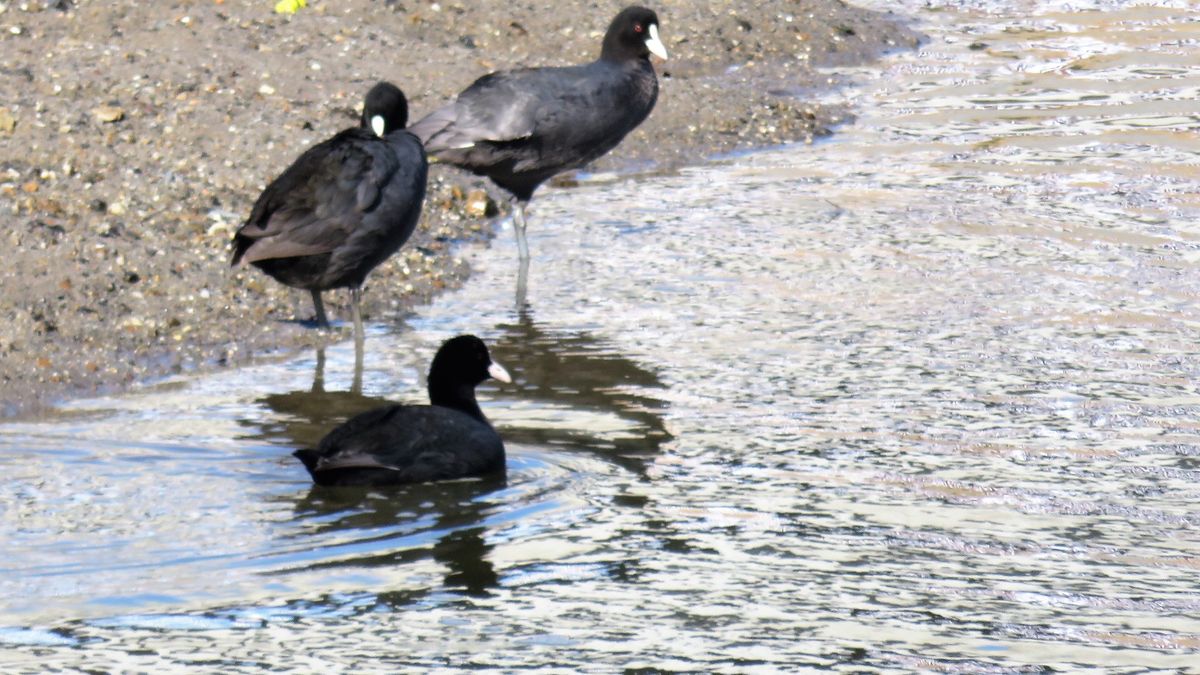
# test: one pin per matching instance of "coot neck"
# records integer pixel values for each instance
(619, 53)
(638, 67)
(460, 397)
(620, 57)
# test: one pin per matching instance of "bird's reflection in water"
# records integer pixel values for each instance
(401, 525)
(580, 372)
(303, 417)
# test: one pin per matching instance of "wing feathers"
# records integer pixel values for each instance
(314, 206)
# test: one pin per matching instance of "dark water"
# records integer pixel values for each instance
(922, 397)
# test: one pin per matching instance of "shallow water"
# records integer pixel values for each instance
(920, 397)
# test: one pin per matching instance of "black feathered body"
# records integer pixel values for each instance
(338, 211)
(521, 127)
(405, 444)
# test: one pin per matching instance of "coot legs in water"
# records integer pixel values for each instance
(341, 208)
(356, 311)
(450, 438)
(522, 283)
(518, 208)
(521, 127)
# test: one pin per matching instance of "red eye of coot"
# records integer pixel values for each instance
(637, 28)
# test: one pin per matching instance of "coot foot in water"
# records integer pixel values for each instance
(341, 208)
(418, 443)
(521, 127)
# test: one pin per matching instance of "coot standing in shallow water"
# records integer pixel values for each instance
(341, 208)
(520, 127)
(418, 443)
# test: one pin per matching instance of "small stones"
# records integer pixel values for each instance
(7, 122)
(480, 205)
(107, 114)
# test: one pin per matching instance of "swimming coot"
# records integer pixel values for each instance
(342, 207)
(417, 443)
(520, 127)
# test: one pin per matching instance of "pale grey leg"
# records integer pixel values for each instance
(356, 384)
(356, 309)
(519, 227)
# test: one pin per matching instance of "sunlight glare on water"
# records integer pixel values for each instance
(919, 397)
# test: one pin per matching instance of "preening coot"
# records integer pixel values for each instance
(520, 127)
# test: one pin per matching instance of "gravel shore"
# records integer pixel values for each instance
(134, 138)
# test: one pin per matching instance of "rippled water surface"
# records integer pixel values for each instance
(919, 397)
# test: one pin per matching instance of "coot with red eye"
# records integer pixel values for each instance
(418, 443)
(520, 127)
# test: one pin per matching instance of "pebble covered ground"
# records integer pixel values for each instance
(135, 136)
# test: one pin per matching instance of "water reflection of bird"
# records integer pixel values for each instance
(521, 127)
(579, 371)
(304, 416)
(341, 208)
(406, 524)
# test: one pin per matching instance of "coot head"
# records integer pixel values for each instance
(633, 34)
(385, 109)
(461, 363)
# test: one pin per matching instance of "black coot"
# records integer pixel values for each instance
(417, 443)
(520, 127)
(342, 208)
